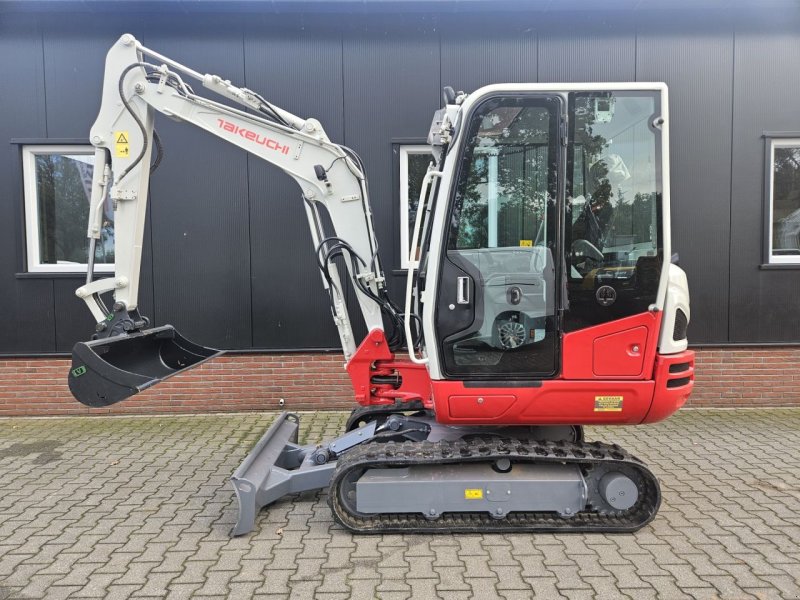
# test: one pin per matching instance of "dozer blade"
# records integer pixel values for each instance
(108, 370)
(275, 467)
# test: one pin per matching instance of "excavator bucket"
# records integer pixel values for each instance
(108, 370)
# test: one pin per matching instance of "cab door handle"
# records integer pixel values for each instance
(462, 290)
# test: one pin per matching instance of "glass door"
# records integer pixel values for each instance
(497, 305)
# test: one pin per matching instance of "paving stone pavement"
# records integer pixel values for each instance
(141, 507)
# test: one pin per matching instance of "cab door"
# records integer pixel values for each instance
(498, 293)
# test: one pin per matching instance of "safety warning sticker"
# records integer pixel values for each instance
(526, 243)
(473, 494)
(122, 147)
(608, 404)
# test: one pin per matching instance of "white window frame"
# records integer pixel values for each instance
(777, 259)
(405, 151)
(34, 264)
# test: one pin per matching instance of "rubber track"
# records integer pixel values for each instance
(587, 454)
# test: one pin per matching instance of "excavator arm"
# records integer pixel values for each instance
(139, 82)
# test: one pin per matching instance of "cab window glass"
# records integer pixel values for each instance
(502, 198)
(613, 203)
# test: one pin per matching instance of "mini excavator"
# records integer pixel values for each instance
(541, 296)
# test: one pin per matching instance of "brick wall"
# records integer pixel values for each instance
(747, 376)
(727, 377)
(228, 383)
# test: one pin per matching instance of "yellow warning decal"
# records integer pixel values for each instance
(608, 404)
(473, 494)
(526, 243)
(122, 147)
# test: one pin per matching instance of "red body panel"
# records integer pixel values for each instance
(611, 376)
(620, 354)
(555, 402)
(674, 378)
(606, 351)
(374, 359)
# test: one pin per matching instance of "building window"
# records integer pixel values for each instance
(784, 201)
(58, 190)
(414, 161)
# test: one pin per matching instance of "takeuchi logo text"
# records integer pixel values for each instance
(252, 136)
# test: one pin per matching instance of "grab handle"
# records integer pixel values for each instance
(462, 290)
(413, 263)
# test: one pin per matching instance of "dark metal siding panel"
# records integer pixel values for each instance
(391, 90)
(698, 68)
(299, 70)
(73, 321)
(764, 304)
(475, 53)
(199, 207)
(74, 60)
(590, 49)
(26, 305)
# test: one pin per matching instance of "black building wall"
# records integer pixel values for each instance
(228, 258)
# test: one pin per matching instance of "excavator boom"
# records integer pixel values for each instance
(126, 357)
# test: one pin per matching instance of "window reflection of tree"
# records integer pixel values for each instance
(518, 140)
(417, 168)
(609, 218)
(63, 213)
(786, 201)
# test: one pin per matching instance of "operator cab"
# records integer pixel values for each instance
(550, 218)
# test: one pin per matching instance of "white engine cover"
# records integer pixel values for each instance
(677, 298)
